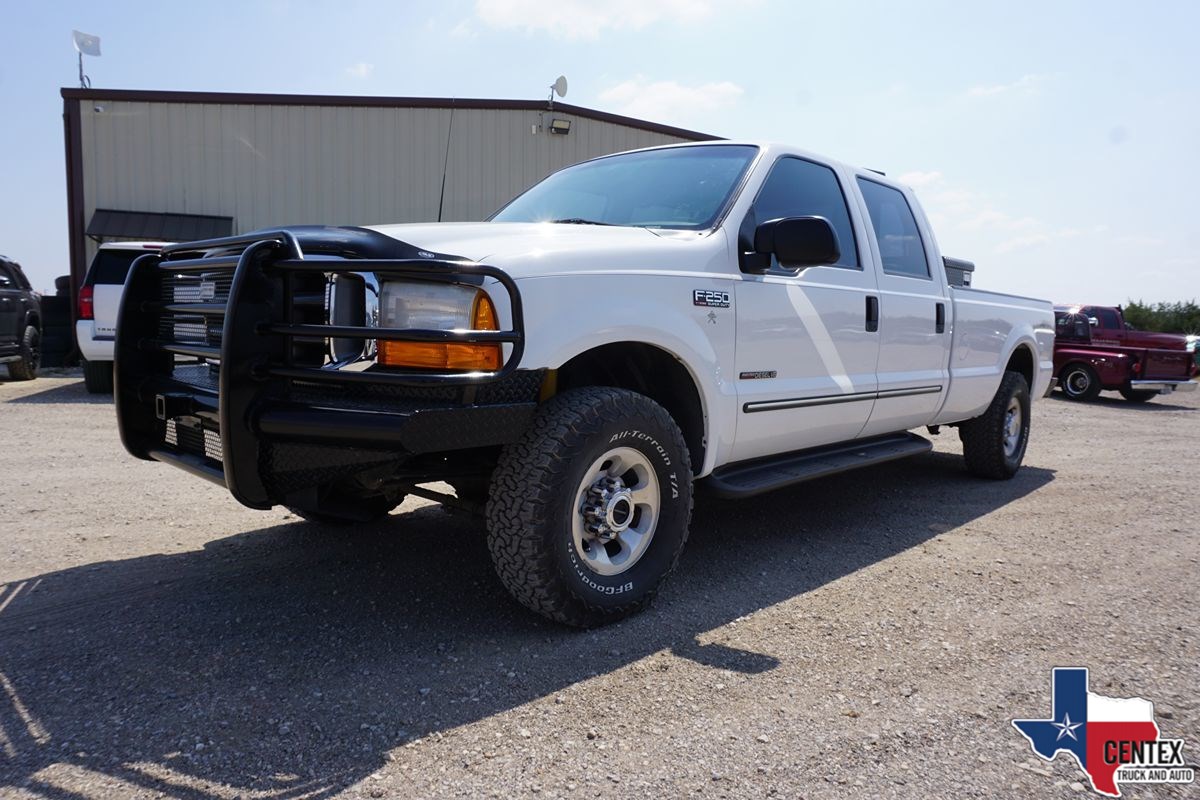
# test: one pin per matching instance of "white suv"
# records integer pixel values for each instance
(99, 301)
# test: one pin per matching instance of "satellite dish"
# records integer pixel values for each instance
(88, 45)
(560, 86)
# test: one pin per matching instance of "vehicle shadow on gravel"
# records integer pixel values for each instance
(74, 392)
(293, 660)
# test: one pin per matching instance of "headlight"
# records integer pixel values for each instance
(437, 306)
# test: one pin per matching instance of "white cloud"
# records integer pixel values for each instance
(1037, 239)
(991, 218)
(667, 100)
(1140, 241)
(587, 19)
(1025, 84)
(917, 179)
(362, 70)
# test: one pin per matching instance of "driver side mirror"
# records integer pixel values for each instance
(798, 242)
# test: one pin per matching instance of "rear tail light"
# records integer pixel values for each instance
(87, 309)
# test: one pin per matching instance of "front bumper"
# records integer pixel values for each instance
(1163, 387)
(228, 366)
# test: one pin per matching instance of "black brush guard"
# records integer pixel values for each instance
(287, 419)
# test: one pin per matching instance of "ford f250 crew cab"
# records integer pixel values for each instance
(749, 315)
(1095, 349)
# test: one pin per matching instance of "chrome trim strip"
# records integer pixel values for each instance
(907, 392)
(832, 399)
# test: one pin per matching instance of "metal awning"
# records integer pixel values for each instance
(153, 226)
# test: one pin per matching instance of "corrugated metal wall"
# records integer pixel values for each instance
(267, 165)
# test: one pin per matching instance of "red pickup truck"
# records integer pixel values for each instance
(1095, 349)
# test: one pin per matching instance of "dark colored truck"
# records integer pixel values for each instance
(1096, 350)
(20, 322)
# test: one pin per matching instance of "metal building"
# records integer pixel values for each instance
(189, 165)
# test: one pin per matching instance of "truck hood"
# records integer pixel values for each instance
(525, 249)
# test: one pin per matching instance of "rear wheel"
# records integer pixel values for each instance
(1079, 382)
(98, 377)
(1137, 395)
(588, 513)
(31, 356)
(994, 442)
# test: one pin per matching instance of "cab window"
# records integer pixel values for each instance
(799, 188)
(1106, 317)
(896, 230)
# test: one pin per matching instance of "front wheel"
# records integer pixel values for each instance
(994, 442)
(587, 514)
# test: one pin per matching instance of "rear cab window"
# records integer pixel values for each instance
(896, 230)
(111, 266)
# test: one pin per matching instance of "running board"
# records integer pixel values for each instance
(749, 478)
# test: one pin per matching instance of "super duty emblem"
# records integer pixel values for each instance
(710, 298)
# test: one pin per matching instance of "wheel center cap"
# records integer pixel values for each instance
(618, 511)
(608, 510)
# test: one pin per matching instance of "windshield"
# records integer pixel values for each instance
(682, 187)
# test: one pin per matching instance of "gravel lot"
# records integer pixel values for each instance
(868, 635)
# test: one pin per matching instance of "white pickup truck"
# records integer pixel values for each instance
(746, 315)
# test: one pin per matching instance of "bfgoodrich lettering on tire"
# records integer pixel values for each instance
(588, 513)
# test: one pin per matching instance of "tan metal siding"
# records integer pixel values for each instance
(267, 165)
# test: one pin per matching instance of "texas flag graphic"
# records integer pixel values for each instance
(1113, 739)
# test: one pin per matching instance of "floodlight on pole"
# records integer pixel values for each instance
(85, 45)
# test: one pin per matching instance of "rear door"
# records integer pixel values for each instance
(805, 356)
(107, 279)
(914, 314)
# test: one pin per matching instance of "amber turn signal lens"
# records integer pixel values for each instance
(456, 356)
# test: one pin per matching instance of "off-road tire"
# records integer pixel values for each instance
(1137, 395)
(31, 356)
(983, 436)
(1079, 382)
(532, 495)
(98, 377)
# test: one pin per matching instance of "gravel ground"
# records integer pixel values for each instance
(868, 635)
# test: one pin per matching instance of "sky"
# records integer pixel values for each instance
(1052, 143)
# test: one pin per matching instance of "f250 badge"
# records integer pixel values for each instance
(710, 298)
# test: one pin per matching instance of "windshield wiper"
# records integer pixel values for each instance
(578, 221)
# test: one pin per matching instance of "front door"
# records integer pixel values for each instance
(11, 310)
(805, 355)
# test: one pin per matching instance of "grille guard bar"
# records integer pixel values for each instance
(257, 363)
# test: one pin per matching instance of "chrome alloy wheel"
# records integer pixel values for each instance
(1012, 427)
(617, 508)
